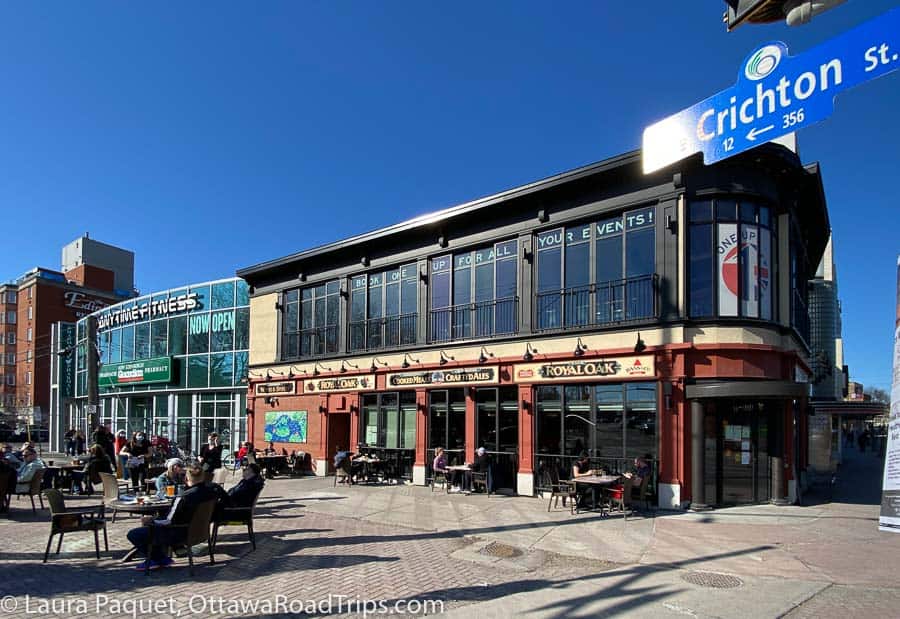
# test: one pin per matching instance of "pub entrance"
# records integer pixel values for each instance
(737, 445)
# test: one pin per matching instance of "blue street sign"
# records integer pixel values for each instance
(775, 94)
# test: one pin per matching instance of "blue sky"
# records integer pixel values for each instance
(214, 136)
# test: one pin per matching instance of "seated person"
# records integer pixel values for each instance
(464, 479)
(181, 512)
(31, 465)
(344, 460)
(10, 456)
(97, 462)
(243, 493)
(439, 464)
(582, 468)
(172, 476)
(270, 450)
(241, 455)
(8, 471)
(641, 469)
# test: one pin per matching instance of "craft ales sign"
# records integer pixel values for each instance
(456, 376)
(622, 367)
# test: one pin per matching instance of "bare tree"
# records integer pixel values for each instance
(878, 395)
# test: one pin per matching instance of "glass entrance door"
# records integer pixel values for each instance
(737, 453)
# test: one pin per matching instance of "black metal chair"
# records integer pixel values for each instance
(560, 488)
(64, 521)
(481, 480)
(235, 516)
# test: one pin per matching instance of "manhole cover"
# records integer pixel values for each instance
(502, 551)
(712, 579)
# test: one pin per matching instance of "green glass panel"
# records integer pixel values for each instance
(198, 371)
(242, 298)
(223, 295)
(178, 336)
(221, 370)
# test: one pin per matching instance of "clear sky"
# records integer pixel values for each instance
(207, 137)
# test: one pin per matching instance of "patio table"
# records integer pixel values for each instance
(596, 481)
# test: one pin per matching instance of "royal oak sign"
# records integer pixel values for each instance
(775, 94)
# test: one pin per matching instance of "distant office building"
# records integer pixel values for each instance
(94, 276)
(855, 391)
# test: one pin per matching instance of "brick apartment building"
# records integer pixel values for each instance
(94, 275)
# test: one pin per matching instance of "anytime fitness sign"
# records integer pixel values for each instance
(149, 309)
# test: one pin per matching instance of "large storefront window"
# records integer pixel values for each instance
(447, 424)
(310, 322)
(389, 420)
(383, 309)
(613, 422)
(473, 294)
(597, 273)
(732, 254)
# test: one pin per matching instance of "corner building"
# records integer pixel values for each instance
(599, 310)
(172, 363)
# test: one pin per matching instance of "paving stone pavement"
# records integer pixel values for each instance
(301, 555)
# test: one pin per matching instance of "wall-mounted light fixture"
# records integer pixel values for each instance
(442, 241)
(345, 364)
(406, 359)
(667, 395)
(639, 346)
(317, 366)
(279, 306)
(580, 347)
(423, 274)
(299, 372)
(543, 217)
(530, 351)
(271, 400)
(301, 276)
(445, 358)
(527, 254)
(257, 375)
(483, 357)
(270, 372)
(376, 363)
(671, 223)
(364, 261)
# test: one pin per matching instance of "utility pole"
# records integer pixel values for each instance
(92, 360)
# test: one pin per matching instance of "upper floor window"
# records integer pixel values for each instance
(473, 294)
(10, 338)
(11, 296)
(11, 318)
(311, 316)
(597, 273)
(28, 334)
(30, 313)
(383, 308)
(730, 259)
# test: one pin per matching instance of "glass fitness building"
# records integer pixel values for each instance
(171, 363)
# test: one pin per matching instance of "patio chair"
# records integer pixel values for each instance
(197, 532)
(641, 492)
(7, 484)
(219, 476)
(235, 516)
(559, 488)
(620, 496)
(64, 521)
(111, 489)
(34, 490)
(343, 472)
(481, 480)
(442, 477)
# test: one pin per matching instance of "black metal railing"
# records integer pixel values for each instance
(605, 303)
(310, 342)
(473, 320)
(396, 463)
(379, 333)
(549, 467)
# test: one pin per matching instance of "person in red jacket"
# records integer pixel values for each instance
(121, 439)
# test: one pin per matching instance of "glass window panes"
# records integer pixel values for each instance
(222, 326)
(202, 297)
(221, 370)
(159, 338)
(222, 295)
(242, 293)
(128, 343)
(142, 341)
(178, 335)
(198, 332)
(198, 371)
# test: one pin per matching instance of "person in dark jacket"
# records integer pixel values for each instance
(97, 462)
(138, 452)
(103, 437)
(243, 493)
(181, 512)
(211, 454)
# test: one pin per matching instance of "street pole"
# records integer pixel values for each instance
(93, 368)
